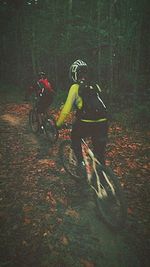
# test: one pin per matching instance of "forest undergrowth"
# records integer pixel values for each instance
(47, 220)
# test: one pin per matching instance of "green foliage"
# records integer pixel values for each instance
(60, 98)
(112, 36)
(135, 117)
(11, 93)
(140, 115)
(59, 258)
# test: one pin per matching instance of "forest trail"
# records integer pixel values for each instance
(47, 219)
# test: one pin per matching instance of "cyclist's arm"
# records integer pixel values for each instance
(68, 105)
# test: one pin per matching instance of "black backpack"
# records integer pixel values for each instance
(93, 106)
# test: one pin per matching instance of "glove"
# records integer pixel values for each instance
(58, 126)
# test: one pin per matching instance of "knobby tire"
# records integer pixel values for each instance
(111, 206)
(33, 121)
(68, 159)
(51, 130)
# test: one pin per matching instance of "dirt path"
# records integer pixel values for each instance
(46, 219)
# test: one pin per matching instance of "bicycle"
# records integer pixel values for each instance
(108, 194)
(49, 128)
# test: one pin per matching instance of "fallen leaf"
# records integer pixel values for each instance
(130, 210)
(72, 213)
(64, 240)
(27, 221)
(87, 263)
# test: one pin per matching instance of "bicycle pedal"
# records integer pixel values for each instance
(41, 129)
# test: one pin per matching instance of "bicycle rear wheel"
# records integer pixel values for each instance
(68, 159)
(51, 130)
(33, 121)
(109, 198)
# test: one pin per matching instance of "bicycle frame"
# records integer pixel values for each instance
(91, 168)
(108, 195)
(43, 115)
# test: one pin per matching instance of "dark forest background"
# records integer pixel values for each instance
(112, 36)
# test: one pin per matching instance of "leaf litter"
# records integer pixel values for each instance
(35, 195)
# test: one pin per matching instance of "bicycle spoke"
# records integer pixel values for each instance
(107, 190)
(51, 130)
(109, 199)
(33, 121)
(68, 158)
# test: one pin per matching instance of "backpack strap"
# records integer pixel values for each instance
(99, 89)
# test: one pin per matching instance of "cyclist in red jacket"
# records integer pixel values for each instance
(44, 92)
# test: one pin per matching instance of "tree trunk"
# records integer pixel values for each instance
(111, 47)
(33, 49)
(99, 47)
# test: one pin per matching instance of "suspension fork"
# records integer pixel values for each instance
(91, 168)
(88, 157)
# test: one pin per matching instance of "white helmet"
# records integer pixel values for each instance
(78, 68)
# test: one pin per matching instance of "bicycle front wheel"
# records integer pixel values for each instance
(51, 130)
(68, 159)
(109, 198)
(33, 121)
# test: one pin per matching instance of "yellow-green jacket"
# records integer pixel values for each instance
(73, 99)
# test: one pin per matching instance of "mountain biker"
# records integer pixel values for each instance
(44, 92)
(97, 129)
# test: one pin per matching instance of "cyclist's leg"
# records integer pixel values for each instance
(47, 100)
(41, 109)
(44, 103)
(76, 140)
(99, 140)
(79, 130)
